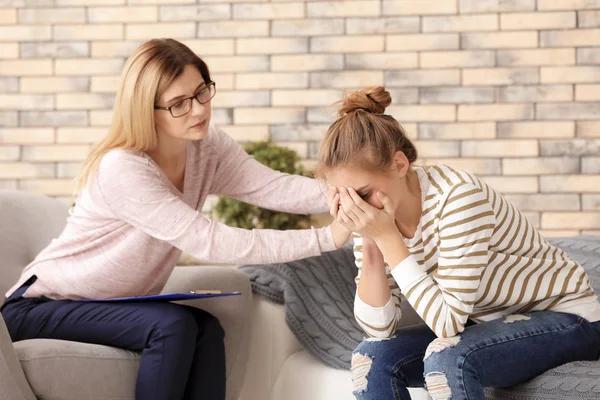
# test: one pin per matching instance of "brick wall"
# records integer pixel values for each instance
(508, 89)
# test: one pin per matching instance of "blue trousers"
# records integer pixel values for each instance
(499, 353)
(182, 348)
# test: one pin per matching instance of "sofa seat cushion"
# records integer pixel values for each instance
(305, 377)
(64, 370)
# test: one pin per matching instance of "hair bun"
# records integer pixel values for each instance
(371, 99)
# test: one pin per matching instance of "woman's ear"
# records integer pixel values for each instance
(400, 163)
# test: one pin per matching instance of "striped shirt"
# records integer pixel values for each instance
(474, 256)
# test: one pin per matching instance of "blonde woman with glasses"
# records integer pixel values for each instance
(140, 195)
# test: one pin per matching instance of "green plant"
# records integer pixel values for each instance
(242, 215)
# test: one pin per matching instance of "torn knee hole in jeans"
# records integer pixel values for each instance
(361, 365)
(440, 344)
(509, 319)
(437, 386)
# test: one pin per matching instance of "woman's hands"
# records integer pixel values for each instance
(359, 216)
(340, 233)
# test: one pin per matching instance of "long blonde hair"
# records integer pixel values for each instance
(363, 135)
(149, 71)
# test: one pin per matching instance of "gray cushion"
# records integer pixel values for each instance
(28, 222)
(318, 293)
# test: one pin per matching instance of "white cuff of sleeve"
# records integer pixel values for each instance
(407, 273)
(375, 316)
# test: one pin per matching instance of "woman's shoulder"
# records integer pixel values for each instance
(122, 164)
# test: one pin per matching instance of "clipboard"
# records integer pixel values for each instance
(163, 297)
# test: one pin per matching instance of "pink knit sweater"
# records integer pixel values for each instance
(130, 223)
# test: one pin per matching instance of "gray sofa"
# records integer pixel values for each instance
(62, 370)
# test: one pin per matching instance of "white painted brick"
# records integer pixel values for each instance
(587, 92)
(570, 38)
(11, 33)
(25, 67)
(312, 27)
(55, 153)
(422, 113)
(26, 135)
(231, 99)
(494, 112)
(332, 9)
(484, 6)
(9, 118)
(211, 47)
(312, 97)
(576, 111)
(79, 135)
(382, 61)
(49, 187)
(437, 148)
(419, 7)
(9, 50)
(224, 81)
(247, 133)
(457, 95)
(571, 147)
(106, 66)
(52, 16)
(122, 14)
(87, 32)
(222, 116)
(512, 184)
(346, 79)
(84, 101)
(232, 29)
(404, 96)
(567, 4)
(312, 62)
(9, 85)
(445, 59)
(499, 40)
(590, 165)
(588, 19)
(536, 94)
(21, 170)
(108, 49)
(588, 55)
(9, 153)
(379, 25)
(588, 128)
(560, 233)
(54, 84)
(269, 11)
(176, 30)
(431, 77)
(272, 80)
(68, 170)
(430, 41)
(477, 166)
(499, 76)
(55, 49)
(238, 63)
(8, 16)
(476, 130)
(53, 118)
(544, 202)
(460, 23)
(536, 57)
(570, 183)
(312, 132)
(200, 12)
(347, 44)
(320, 115)
(273, 115)
(590, 202)
(538, 20)
(570, 74)
(536, 129)
(104, 84)
(271, 46)
(161, 2)
(88, 3)
(570, 220)
(499, 148)
(540, 166)
(26, 101)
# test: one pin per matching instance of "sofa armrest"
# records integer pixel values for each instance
(13, 384)
(234, 312)
(272, 344)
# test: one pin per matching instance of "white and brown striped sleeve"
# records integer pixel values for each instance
(379, 322)
(445, 299)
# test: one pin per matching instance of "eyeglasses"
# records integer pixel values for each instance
(184, 106)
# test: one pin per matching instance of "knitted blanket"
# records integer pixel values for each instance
(318, 294)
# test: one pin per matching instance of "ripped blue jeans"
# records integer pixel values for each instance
(498, 353)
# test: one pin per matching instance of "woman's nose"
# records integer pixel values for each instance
(197, 108)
